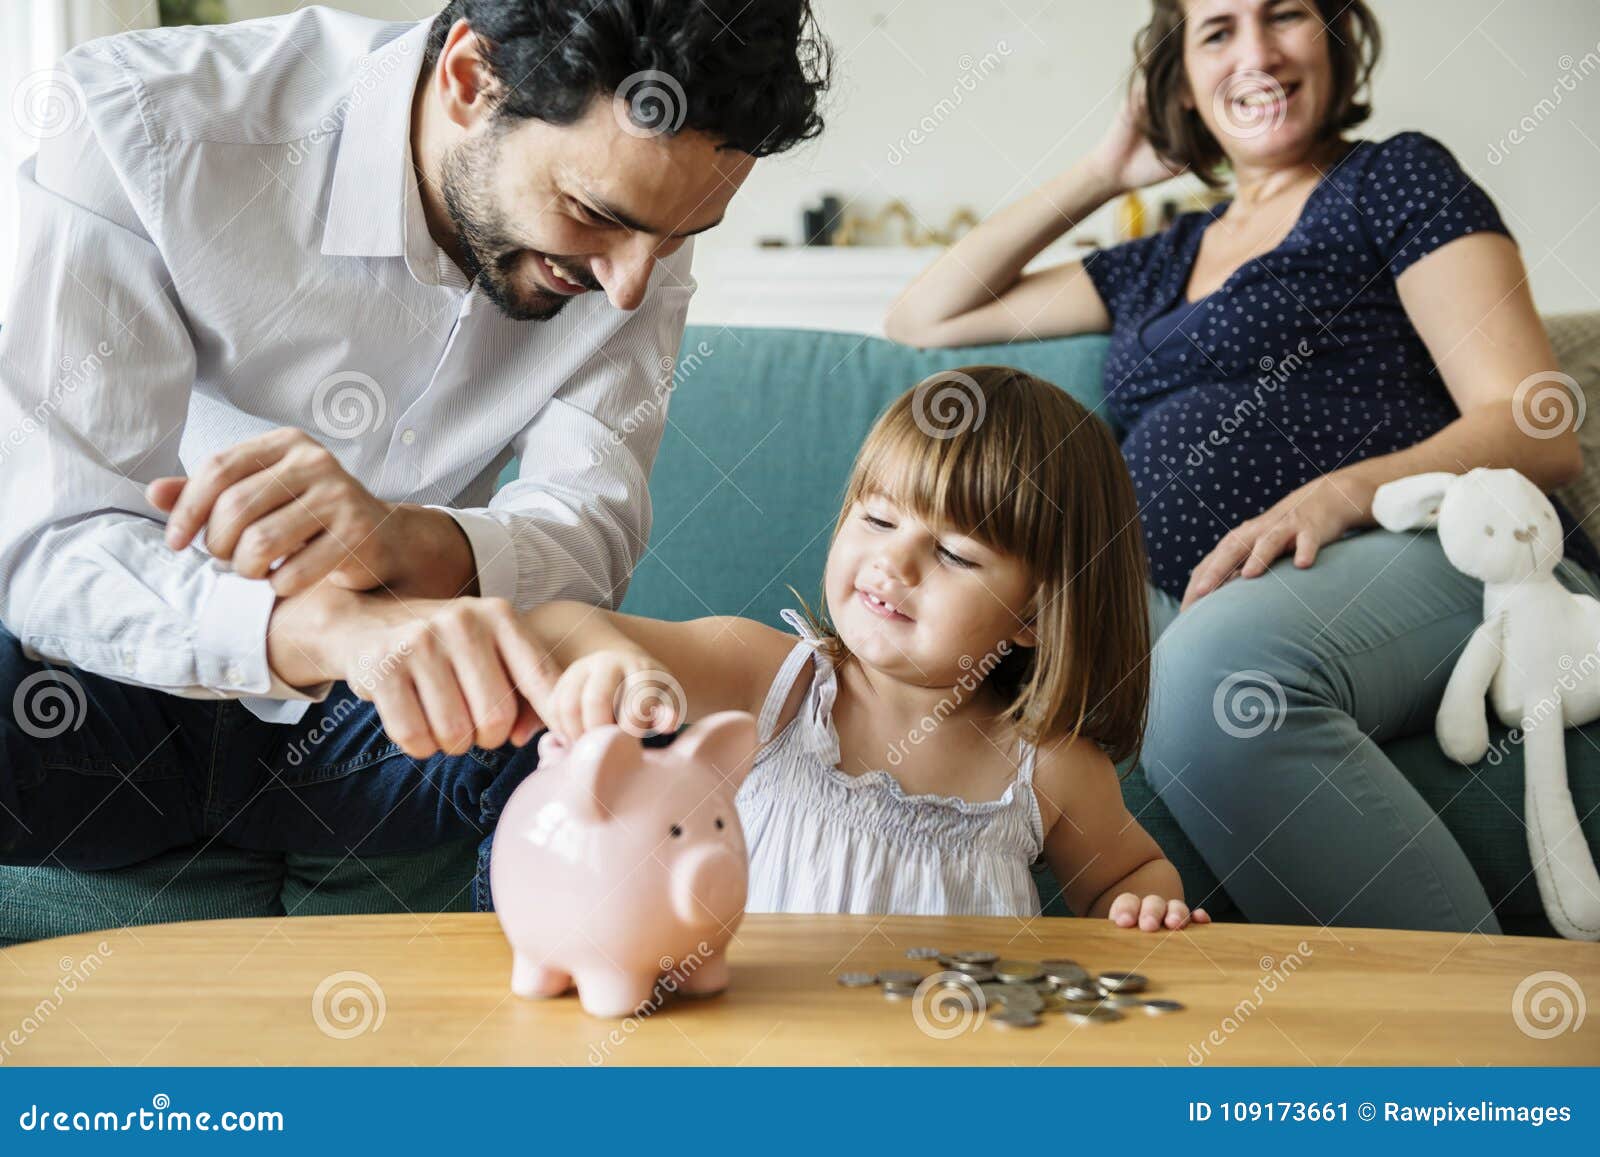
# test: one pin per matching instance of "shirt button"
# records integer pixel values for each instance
(408, 437)
(128, 660)
(233, 674)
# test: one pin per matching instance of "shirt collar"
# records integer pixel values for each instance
(372, 172)
(427, 262)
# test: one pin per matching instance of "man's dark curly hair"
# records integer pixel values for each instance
(748, 73)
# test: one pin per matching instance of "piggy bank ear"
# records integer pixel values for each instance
(601, 762)
(1409, 503)
(724, 742)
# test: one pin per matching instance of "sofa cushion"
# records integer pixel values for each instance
(762, 428)
(184, 884)
(216, 882)
(1575, 337)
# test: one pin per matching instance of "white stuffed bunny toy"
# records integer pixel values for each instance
(1536, 655)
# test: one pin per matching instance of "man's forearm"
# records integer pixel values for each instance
(329, 633)
(433, 558)
(299, 630)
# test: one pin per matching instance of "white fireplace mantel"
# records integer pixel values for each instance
(847, 288)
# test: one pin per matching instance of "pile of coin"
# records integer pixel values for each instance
(1020, 993)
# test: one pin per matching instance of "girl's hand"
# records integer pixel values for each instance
(627, 687)
(1307, 519)
(1125, 157)
(1153, 913)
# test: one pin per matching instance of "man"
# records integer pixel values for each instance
(305, 285)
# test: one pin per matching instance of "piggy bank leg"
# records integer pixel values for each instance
(531, 979)
(707, 979)
(615, 994)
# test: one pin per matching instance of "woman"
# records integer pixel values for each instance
(1356, 313)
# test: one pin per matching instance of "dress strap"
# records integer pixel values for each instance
(1026, 754)
(794, 663)
(800, 623)
(1027, 798)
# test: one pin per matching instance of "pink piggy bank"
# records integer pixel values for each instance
(616, 863)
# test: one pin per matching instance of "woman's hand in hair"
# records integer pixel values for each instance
(1305, 521)
(1124, 157)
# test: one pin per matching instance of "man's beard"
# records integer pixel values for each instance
(490, 253)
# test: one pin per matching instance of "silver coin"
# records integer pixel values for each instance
(899, 976)
(897, 990)
(922, 954)
(857, 979)
(1123, 981)
(959, 980)
(1067, 975)
(987, 958)
(977, 973)
(1011, 1018)
(1161, 1007)
(1099, 1014)
(1122, 1000)
(1081, 992)
(1060, 964)
(1025, 991)
(1018, 971)
(1032, 1001)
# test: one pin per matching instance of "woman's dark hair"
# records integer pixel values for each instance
(747, 73)
(1178, 133)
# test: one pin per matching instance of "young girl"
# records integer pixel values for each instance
(984, 659)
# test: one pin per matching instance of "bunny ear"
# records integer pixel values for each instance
(1408, 503)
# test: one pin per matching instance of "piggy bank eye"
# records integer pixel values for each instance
(719, 823)
(676, 831)
(1489, 530)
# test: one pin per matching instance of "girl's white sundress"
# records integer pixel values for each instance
(824, 841)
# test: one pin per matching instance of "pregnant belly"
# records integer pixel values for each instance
(1208, 459)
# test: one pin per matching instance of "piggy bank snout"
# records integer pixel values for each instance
(708, 886)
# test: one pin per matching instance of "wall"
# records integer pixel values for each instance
(1466, 71)
(1029, 85)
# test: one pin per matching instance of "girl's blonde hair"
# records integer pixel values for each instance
(1011, 460)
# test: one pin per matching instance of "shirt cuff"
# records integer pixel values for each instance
(493, 555)
(231, 642)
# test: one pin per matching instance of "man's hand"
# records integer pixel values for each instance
(444, 674)
(284, 495)
(1306, 520)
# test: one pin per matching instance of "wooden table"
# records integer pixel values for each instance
(431, 989)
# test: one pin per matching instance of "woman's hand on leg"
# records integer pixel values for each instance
(1306, 520)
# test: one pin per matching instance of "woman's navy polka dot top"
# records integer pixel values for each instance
(1302, 362)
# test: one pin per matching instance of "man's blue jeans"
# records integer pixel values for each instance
(98, 774)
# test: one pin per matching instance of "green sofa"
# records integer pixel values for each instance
(764, 424)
